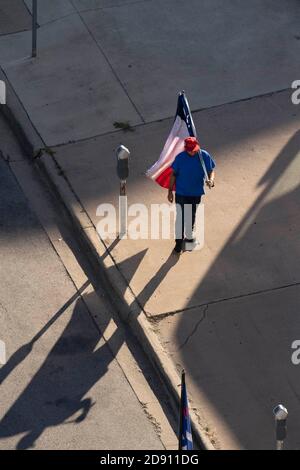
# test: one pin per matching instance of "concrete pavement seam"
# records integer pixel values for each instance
(108, 7)
(14, 32)
(129, 309)
(83, 285)
(155, 121)
(137, 320)
(111, 67)
(27, 8)
(73, 13)
(19, 120)
(162, 316)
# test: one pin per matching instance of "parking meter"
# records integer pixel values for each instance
(281, 414)
(123, 172)
(122, 167)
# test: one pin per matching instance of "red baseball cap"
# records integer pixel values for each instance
(191, 144)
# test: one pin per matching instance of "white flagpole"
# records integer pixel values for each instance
(192, 122)
(203, 165)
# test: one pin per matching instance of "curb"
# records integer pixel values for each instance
(129, 309)
(18, 120)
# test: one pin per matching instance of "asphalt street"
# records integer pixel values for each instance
(61, 387)
(227, 314)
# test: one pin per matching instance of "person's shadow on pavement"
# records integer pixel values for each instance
(56, 391)
(252, 343)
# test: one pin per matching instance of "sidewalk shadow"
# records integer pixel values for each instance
(55, 394)
(239, 356)
(23, 352)
(157, 279)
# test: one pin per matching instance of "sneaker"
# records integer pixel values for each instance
(190, 240)
(178, 247)
(190, 244)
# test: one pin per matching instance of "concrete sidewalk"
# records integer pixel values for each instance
(244, 281)
(246, 139)
(101, 62)
(218, 311)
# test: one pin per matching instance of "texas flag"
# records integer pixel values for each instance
(183, 127)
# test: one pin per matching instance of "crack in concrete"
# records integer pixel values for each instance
(161, 316)
(195, 328)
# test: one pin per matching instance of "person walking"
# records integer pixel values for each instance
(188, 178)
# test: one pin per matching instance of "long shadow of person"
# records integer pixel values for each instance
(23, 352)
(156, 280)
(242, 348)
(55, 394)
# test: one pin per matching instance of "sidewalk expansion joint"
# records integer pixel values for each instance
(22, 105)
(47, 23)
(110, 7)
(161, 316)
(155, 121)
(111, 67)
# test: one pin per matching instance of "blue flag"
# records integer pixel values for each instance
(185, 433)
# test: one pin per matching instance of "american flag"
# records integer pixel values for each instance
(185, 432)
(183, 127)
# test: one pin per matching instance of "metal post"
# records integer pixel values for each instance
(281, 414)
(123, 188)
(123, 172)
(181, 411)
(279, 445)
(34, 27)
(122, 210)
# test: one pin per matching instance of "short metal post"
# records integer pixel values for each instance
(281, 414)
(123, 172)
(123, 188)
(123, 210)
(34, 27)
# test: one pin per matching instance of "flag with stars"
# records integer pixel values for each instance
(185, 433)
(183, 127)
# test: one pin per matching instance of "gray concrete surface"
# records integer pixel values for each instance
(214, 50)
(14, 17)
(251, 143)
(70, 82)
(51, 11)
(218, 312)
(112, 61)
(251, 245)
(61, 387)
(237, 356)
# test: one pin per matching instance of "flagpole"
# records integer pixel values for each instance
(194, 133)
(34, 28)
(181, 410)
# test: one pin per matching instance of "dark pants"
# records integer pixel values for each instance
(186, 207)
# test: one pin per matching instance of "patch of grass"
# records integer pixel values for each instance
(49, 151)
(125, 126)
